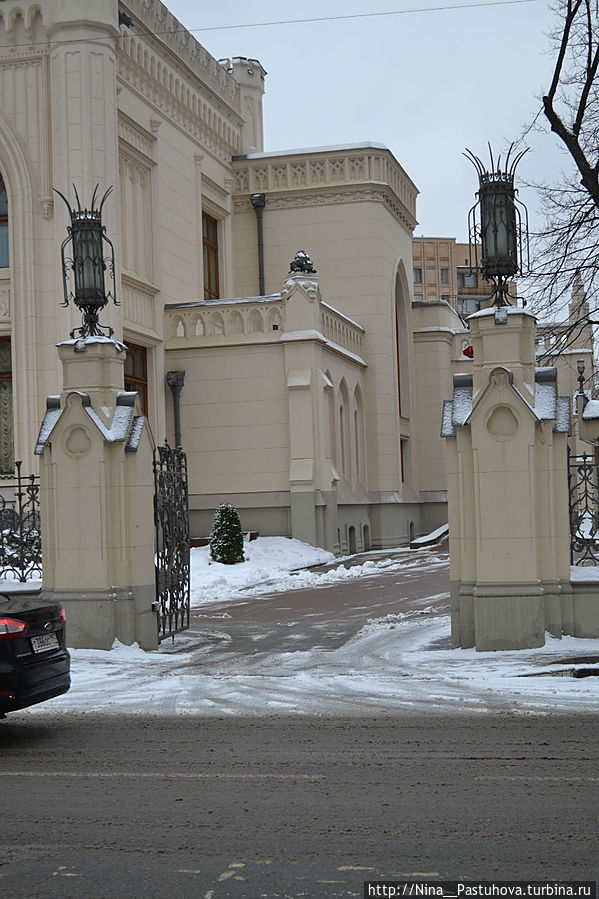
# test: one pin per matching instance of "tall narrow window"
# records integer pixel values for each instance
(341, 443)
(7, 450)
(4, 258)
(136, 372)
(357, 444)
(210, 250)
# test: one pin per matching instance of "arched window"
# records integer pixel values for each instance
(4, 259)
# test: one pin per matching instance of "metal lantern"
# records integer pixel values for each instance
(496, 226)
(88, 265)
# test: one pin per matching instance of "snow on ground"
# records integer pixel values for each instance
(396, 663)
(277, 564)
(268, 561)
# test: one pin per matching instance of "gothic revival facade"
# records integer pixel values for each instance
(307, 395)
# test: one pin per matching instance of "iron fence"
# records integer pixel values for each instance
(20, 526)
(583, 486)
(171, 520)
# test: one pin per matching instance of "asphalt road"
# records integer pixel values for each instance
(104, 807)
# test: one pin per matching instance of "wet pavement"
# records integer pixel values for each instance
(323, 617)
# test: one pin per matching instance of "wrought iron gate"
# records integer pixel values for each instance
(583, 486)
(20, 526)
(171, 520)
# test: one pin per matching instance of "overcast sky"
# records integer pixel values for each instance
(426, 84)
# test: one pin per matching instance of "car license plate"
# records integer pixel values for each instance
(44, 642)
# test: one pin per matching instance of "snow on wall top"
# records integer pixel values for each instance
(125, 427)
(548, 405)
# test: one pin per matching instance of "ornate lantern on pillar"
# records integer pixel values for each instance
(496, 227)
(86, 286)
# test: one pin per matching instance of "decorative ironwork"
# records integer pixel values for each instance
(87, 236)
(583, 486)
(20, 526)
(302, 263)
(499, 230)
(171, 521)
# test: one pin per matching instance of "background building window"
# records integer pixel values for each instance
(444, 276)
(4, 260)
(136, 372)
(417, 276)
(7, 443)
(210, 250)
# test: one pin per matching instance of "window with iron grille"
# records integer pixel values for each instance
(136, 372)
(210, 251)
(7, 443)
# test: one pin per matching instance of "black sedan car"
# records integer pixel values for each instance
(34, 661)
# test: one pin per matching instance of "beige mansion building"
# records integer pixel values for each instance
(310, 399)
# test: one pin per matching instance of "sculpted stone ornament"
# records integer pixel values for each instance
(302, 263)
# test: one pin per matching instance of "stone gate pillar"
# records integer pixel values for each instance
(97, 500)
(506, 432)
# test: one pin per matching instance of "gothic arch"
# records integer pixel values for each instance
(344, 431)
(331, 443)
(402, 340)
(235, 324)
(217, 324)
(20, 191)
(256, 323)
(358, 437)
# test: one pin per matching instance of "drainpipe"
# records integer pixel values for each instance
(259, 202)
(175, 380)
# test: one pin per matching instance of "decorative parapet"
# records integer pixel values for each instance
(341, 330)
(218, 322)
(168, 31)
(21, 19)
(252, 320)
(139, 301)
(327, 175)
(175, 82)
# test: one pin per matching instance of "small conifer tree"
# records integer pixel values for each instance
(226, 538)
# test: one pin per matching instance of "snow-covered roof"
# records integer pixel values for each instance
(591, 410)
(548, 406)
(366, 145)
(207, 304)
(125, 427)
(504, 310)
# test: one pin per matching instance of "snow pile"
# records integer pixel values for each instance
(268, 560)
(393, 619)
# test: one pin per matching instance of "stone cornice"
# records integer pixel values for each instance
(355, 193)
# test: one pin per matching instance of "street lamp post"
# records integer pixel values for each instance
(84, 274)
(496, 226)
